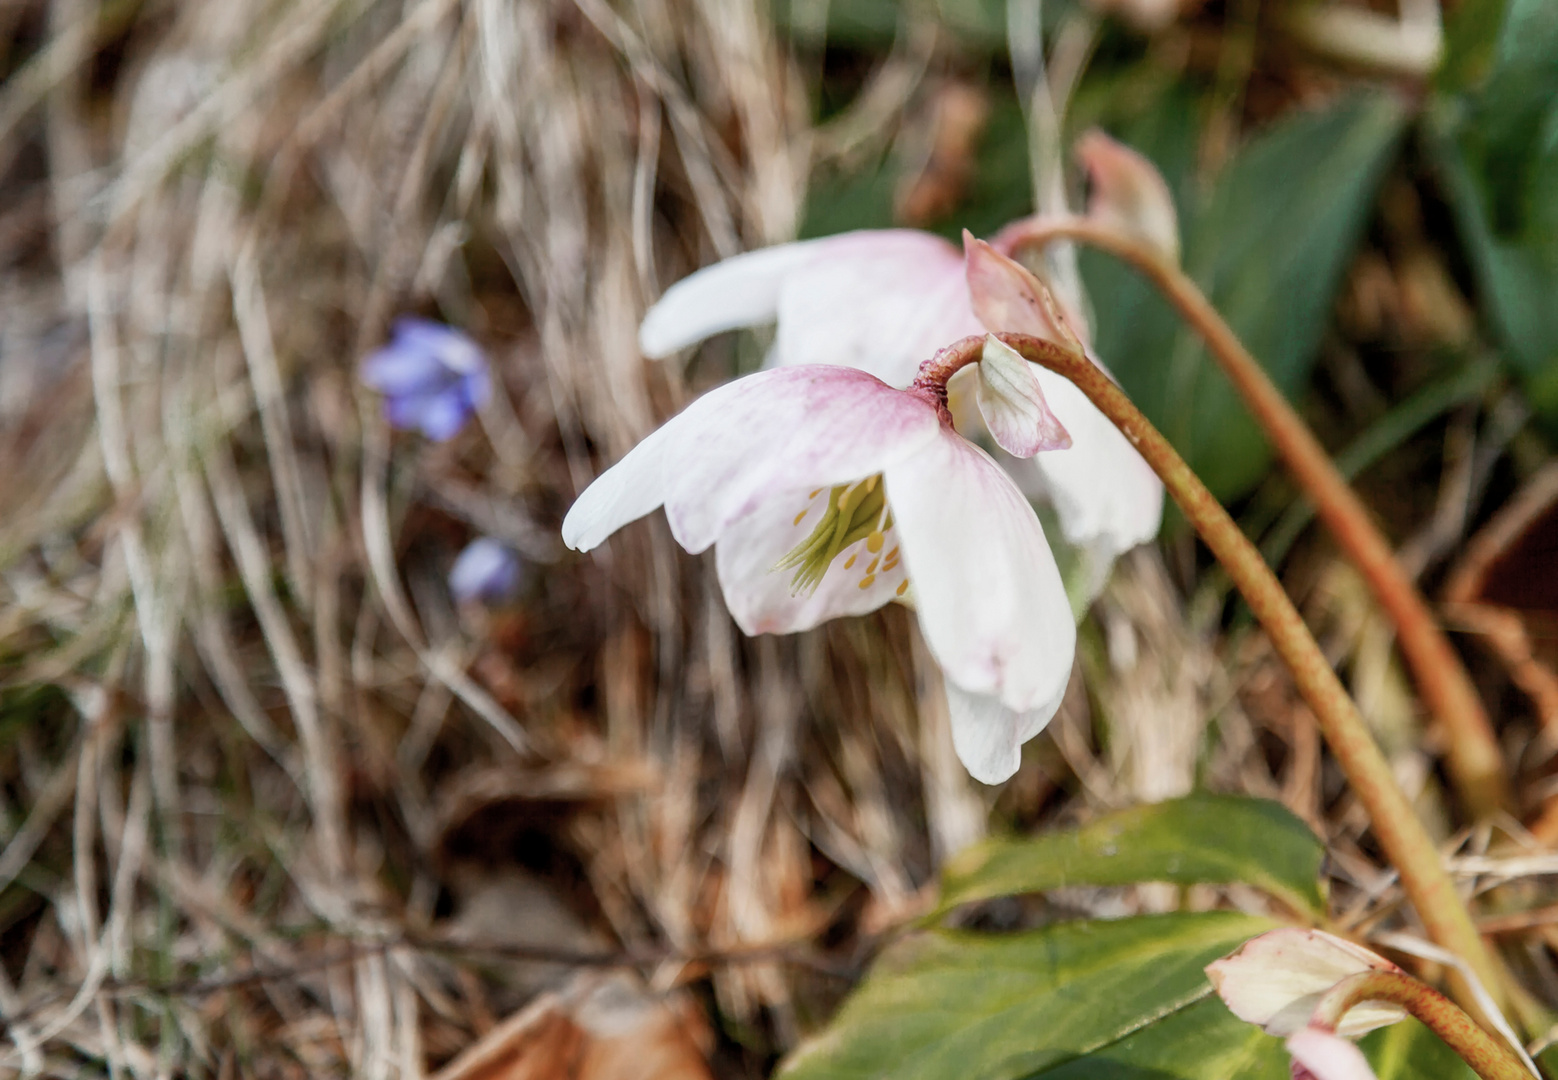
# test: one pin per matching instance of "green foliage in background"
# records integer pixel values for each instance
(1496, 146)
(1124, 998)
(1269, 245)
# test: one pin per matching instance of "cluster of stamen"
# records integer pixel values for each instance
(854, 512)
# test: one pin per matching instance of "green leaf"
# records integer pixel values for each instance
(1200, 838)
(1203, 1041)
(951, 1005)
(1497, 153)
(1408, 1050)
(1269, 247)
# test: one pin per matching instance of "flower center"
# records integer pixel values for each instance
(854, 512)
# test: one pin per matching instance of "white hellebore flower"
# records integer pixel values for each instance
(827, 492)
(883, 300)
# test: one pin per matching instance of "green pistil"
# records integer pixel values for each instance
(854, 512)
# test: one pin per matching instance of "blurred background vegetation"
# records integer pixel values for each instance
(271, 803)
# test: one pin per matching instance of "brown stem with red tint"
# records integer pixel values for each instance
(1475, 763)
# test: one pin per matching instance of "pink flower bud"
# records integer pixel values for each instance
(1129, 193)
(1277, 979)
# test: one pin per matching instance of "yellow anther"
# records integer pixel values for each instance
(903, 586)
(872, 568)
(814, 494)
(868, 581)
(802, 514)
(892, 556)
(874, 542)
(851, 561)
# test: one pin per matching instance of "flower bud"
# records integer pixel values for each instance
(1277, 979)
(1129, 193)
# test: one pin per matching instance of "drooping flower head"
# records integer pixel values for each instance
(432, 376)
(882, 301)
(827, 492)
(486, 569)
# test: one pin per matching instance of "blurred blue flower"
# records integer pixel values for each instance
(432, 377)
(485, 570)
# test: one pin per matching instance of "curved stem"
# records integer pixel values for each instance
(1406, 843)
(1487, 1056)
(1475, 764)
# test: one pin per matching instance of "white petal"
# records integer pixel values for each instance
(625, 492)
(739, 291)
(880, 301)
(990, 599)
(1277, 979)
(1107, 497)
(760, 598)
(1012, 403)
(1327, 1056)
(742, 444)
(988, 736)
(1129, 193)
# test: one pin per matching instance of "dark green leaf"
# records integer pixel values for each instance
(1269, 246)
(959, 1006)
(1497, 152)
(1200, 838)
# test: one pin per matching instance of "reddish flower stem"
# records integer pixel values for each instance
(1489, 1057)
(1405, 842)
(1472, 754)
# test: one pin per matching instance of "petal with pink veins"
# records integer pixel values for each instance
(1012, 403)
(1008, 298)
(761, 598)
(743, 443)
(1276, 980)
(881, 301)
(1129, 193)
(1319, 1055)
(990, 599)
(735, 292)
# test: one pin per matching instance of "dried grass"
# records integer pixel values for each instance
(266, 796)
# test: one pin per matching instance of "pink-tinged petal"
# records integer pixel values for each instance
(1277, 979)
(1319, 1055)
(736, 292)
(990, 599)
(879, 301)
(1012, 403)
(760, 598)
(1008, 298)
(1129, 193)
(742, 444)
(1107, 497)
(988, 736)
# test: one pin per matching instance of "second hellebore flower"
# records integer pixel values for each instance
(432, 376)
(827, 492)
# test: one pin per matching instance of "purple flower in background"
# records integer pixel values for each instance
(485, 570)
(432, 377)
